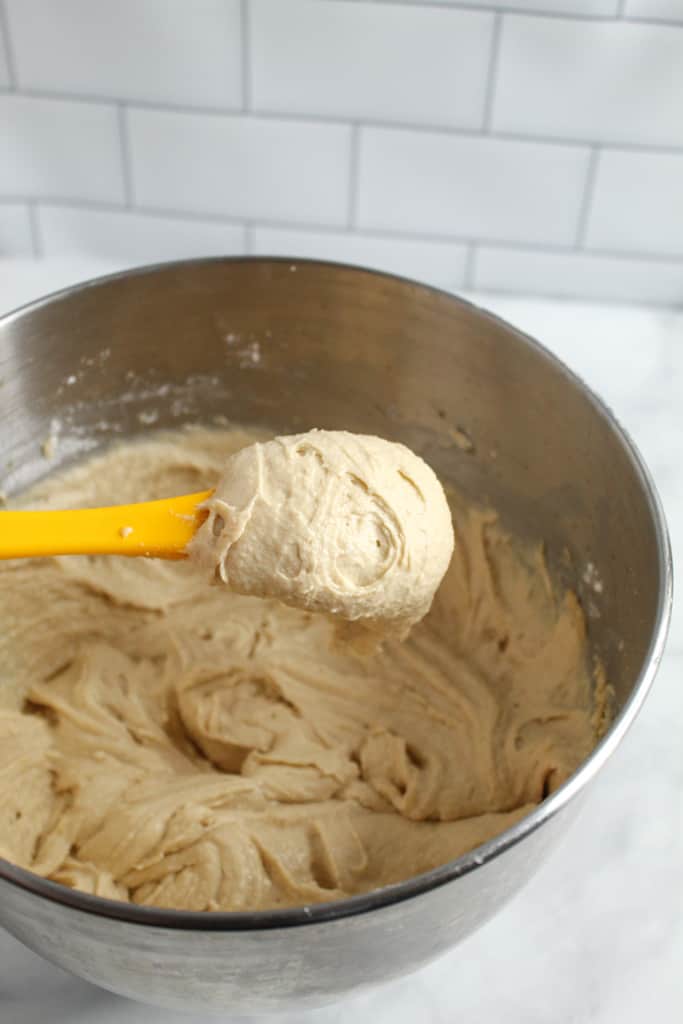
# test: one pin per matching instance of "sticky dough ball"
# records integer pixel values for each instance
(346, 524)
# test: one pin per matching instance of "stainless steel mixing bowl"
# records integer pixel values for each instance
(291, 346)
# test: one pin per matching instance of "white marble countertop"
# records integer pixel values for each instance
(597, 936)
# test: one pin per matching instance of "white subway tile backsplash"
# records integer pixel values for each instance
(393, 63)
(578, 274)
(59, 149)
(638, 202)
(470, 186)
(603, 81)
(670, 10)
(241, 166)
(396, 134)
(438, 263)
(165, 51)
(15, 231)
(123, 236)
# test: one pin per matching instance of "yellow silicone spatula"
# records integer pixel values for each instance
(155, 529)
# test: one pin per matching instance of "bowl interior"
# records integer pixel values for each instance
(295, 345)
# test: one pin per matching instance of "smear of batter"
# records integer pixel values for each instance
(178, 745)
(328, 521)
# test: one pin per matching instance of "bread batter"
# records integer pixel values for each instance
(178, 745)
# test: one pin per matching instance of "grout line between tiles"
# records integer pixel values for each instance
(245, 49)
(638, 19)
(449, 132)
(354, 176)
(338, 121)
(107, 99)
(674, 306)
(150, 212)
(544, 247)
(397, 235)
(598, 253)
(587, 199)
(9, 51)
(36, 236)
(492, 79)
(520, 9)
(126, 162)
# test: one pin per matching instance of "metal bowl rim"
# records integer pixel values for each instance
(238, 921)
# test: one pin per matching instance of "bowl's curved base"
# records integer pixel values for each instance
(273, 969)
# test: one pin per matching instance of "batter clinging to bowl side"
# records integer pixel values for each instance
(174, 744)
